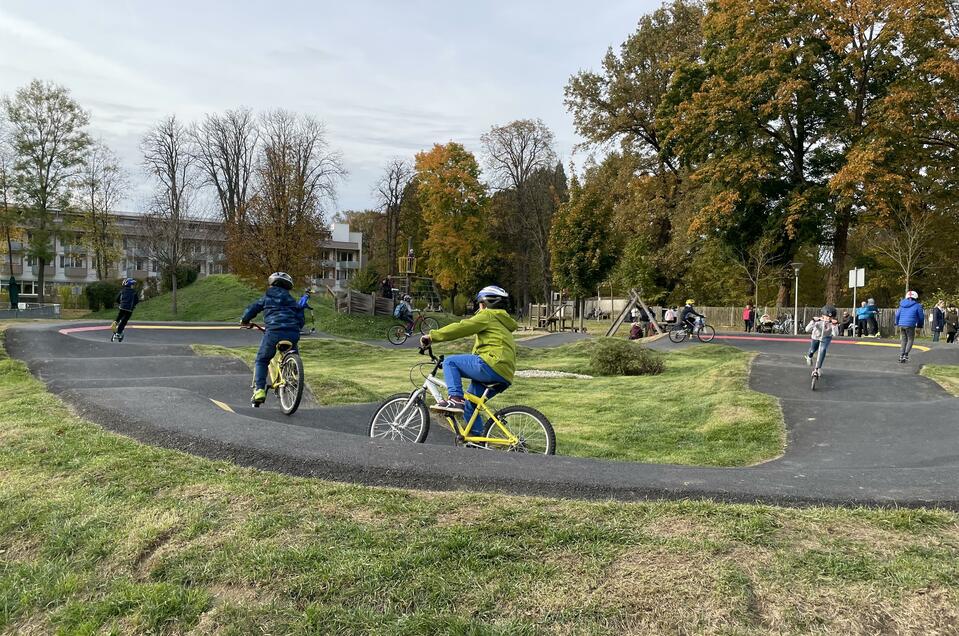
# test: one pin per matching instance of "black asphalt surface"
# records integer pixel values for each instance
(874, 433)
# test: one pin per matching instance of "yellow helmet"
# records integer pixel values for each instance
(690, 301)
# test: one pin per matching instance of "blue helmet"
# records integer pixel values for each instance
(129, 282)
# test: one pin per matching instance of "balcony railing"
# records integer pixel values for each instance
(347, 265)
(49, 270)
(74, 249)
(17, 269)
(75, 272)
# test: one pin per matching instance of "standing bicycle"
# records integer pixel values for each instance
(284, 320)
(821, 329)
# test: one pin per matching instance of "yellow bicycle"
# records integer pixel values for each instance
(285, 374)
(406, 417)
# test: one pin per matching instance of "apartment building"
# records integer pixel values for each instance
(73, 265)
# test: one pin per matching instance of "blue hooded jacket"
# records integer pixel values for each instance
(910, 314)
(127, 299)
(280, 311)
(862, 313)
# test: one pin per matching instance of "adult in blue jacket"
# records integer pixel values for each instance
(284, 319)
(909, 316)
(862, 320)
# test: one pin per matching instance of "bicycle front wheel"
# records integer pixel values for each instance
(396, 334)
(391, 423)
(291, 389)
(534, 432)
(706, 333)
(677, 335)
(428, 324)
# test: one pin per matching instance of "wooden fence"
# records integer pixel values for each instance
(354, 302)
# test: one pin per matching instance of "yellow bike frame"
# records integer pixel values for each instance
(463, 431)
(275, 377)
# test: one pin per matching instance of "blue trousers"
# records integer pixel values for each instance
(266, 353)
(821, 346)
(472, 367)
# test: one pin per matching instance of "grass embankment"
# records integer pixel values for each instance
(100, 534)
(222, 298)
(947, 376)
(700, 411)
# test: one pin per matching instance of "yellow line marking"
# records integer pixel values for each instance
(889, 344)
(179, 327)
(225, 407)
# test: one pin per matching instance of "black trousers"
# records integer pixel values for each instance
(123, 316)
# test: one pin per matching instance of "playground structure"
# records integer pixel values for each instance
(634, 300)
(558, 316)
(418, 287)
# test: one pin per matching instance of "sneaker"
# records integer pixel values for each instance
(259, 397)
(450, 405)
(119, 337)
(808, 359)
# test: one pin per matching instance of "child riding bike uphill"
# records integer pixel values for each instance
(493, 360)
(284, 319)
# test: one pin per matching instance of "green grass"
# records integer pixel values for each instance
(214, 298)
(222, 298)
(947, 376)
(700, 411)
(102, 535)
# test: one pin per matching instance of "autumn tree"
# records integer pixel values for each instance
(168, 160)
(389, 192)
(452, 200)
(581, 242)
(9, 212)
(752, 117)
(100, 186)
(49, 140)
(296, 175)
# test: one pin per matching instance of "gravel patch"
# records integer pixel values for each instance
(539, 373)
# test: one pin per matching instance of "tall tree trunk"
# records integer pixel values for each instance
(42, 262)
(173, 289)
(785, 285)
(840, 247)
(9, 249)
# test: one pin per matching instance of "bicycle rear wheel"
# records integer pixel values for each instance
(813, 381)
(291, 390)
(428, 324)
(412, 426)
(706, 333)
(677, 334)
(396, 334)
(535, 433)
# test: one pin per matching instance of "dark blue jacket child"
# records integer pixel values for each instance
(284, 319)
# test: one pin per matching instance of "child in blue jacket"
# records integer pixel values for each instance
(284, 319)
(909, 316)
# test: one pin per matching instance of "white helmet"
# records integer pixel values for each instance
(492, 296)
(281, 279)
(912, 294)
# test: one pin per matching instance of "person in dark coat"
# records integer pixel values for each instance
(938, 320)
(126, 300)
(952, 324)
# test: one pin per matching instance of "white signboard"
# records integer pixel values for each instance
(857, 278)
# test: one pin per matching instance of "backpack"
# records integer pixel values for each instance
(398, 311)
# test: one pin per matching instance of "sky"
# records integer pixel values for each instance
(387, 78)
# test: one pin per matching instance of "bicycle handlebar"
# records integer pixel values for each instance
(251, 325)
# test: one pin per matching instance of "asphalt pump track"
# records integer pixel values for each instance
(874, 433)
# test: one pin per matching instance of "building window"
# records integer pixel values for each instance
(72, 260)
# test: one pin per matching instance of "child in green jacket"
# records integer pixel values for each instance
(493, 361)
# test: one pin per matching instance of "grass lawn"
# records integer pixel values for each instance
(946, 375)
(224, 297)
(102, 535)
(700, 411)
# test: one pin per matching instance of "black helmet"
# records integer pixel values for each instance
(829, 311)
(281, 279)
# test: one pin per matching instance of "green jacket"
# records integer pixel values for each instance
(493, 329)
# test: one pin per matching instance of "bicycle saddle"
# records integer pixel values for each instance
(283, 346)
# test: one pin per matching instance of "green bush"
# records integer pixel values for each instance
(614, 356)
(185, 276)
(101, 294)
(365, 281)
